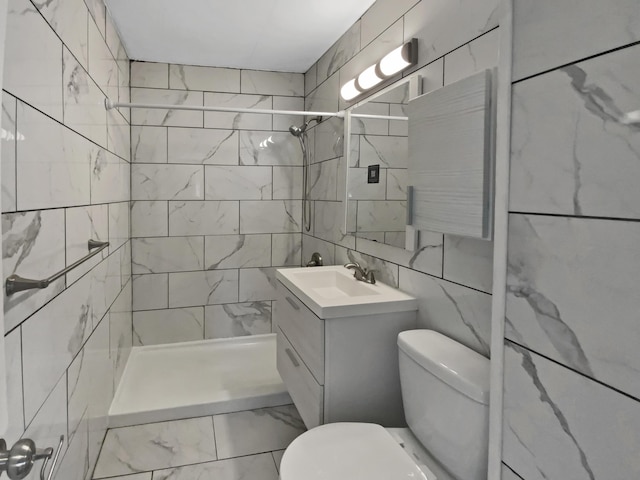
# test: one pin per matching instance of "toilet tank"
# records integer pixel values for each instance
(445, 392)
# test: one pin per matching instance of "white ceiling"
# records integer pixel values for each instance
(279, 35)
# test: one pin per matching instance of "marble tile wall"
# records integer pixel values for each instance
(451, 276)
(571, 406)
(216, 201)
(65, 179)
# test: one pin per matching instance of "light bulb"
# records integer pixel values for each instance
(349, 90)
(368, 79)
(394, 62)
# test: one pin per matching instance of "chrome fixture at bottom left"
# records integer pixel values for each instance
(20, 459)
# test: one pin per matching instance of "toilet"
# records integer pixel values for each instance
(445, 392)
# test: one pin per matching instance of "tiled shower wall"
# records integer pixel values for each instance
(572, 388)
(216, 200)
(65, 179)
(451, 276)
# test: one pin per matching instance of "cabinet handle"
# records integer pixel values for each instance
(293, 303)
(293, 358)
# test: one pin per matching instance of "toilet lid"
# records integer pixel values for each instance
(347, 451)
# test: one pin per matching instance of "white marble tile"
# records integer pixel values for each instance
(565, 124)
(124, 90)
(254, 467)
(235, 121)
(134, 476)
(149, 75)
(277, 458)
(469, 261)
(386, 151)
(325, 97)
(431, 22)
(203, 146)
(508, 474)
(118, 134)
(558, 424)
(272, 83)
(110, 177)
(286, 249)
(212, 79)
(50, 422)
(151, 292)
(102, 67)
(313, 244)
(167, 118)
(269, 148)
(98, 13)
(283, 122)
(257, 284)
(567, 279)
(399, 127)
(387, 216)
(256, 431)
(203, 288)
(238, 183)
(310, 79)
(168, 254)
(167, 182)
(397, 180)
(275, 216)
(287, 183)
(120, 333)
(53, 163)
(113, 38)
(156, 446)
(119, 225)
(154, 327)
(148, 144)
(328, 220)
(13, 368)
(480, 54)
(371, 126)
(551, 33)
(104, 285)
(328, 137)
(149, 218)
(203, 218)
(380, 15)
(51, 338)
(237, 319)
(237, 251)
(125, 262)
(74, 465)
(323, 180)
(82, 224)
(33, 59)
(457, 312)
(83, 101)
(32, 247)
(339, 53)
(8, 134)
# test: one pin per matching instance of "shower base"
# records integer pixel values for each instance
(194, 379)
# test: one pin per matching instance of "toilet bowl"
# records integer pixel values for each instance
(445, 389)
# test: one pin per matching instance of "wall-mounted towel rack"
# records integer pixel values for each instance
(16, 283)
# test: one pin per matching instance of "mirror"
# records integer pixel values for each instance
(376, 210)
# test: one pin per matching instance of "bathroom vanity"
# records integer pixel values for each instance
(337, 345)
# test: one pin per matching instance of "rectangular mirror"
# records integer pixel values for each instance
(377, 146)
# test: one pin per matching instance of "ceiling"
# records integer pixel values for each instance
(278, 35)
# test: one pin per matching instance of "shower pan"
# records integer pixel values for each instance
(301, 133)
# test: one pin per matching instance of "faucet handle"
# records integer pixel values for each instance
(370, 277)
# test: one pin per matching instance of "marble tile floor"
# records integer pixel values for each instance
(245, 445)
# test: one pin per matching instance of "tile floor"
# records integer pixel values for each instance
(244, 445)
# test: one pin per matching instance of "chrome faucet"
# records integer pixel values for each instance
(360, 273)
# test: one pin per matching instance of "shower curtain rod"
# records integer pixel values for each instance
(109, 105)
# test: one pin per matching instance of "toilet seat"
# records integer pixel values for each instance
(348, 451)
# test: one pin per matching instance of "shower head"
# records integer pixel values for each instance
(298, 131)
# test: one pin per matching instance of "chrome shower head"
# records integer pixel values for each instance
(298, 131)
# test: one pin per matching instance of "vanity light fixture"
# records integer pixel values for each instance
(394, 62)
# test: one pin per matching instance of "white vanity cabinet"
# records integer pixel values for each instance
(343, 368)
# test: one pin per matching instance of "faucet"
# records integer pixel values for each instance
(316, 260)
(360, 273)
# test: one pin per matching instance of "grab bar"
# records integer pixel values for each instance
(15, 283)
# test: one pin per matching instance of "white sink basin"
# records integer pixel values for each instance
(332, 292)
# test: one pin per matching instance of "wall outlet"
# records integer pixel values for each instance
(373, 174)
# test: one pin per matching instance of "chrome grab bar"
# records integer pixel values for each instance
(15, 283)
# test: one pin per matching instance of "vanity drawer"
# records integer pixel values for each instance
(304, 330)
(305, 392)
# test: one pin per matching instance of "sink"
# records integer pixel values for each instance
(332, 292)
